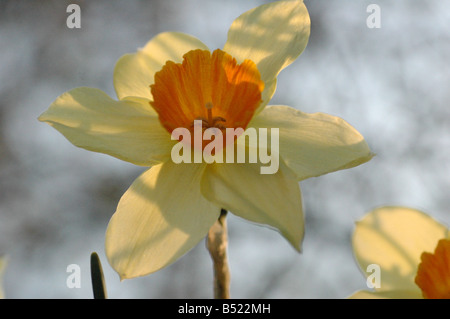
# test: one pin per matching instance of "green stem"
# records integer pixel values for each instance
(98, 281)
(217, 245)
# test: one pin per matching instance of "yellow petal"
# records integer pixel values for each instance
(394, 238)
(3, 262)
(390, 294)
(314, 144)
(127, 129)
(270, 199)
(134, 72)
(160, 217)
(272, 35)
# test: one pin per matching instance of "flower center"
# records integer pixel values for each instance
(433, 274)
(211, 89)
(211, 121)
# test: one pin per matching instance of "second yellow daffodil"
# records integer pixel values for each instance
(411, 249)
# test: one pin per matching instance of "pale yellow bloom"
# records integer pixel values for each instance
(411, 249)
(3, 262)
(170, 82)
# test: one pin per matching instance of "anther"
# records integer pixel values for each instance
(211, 121)
(218, 119)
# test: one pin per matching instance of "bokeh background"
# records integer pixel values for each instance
(391, 83)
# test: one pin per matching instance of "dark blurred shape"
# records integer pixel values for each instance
(98, 280)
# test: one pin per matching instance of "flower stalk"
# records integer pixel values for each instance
(217, 243)
(98, 280)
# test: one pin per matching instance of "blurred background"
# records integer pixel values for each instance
(391, 83)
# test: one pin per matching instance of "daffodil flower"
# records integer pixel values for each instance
(411, 249)
(171, 82)
(3, 262)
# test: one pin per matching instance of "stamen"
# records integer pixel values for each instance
(218, 119)
(209, 107)
(220, 126)
(204, 122)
